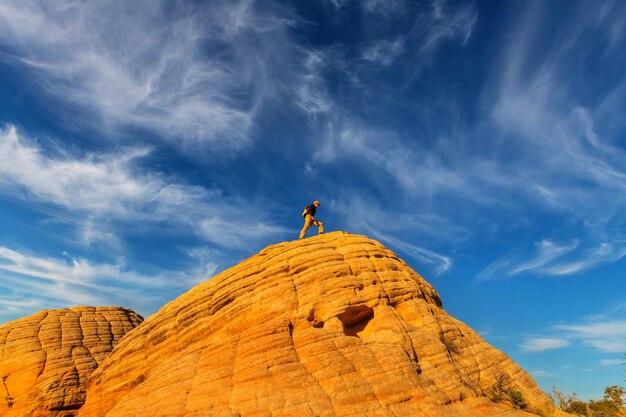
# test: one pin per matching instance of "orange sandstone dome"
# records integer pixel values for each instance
(333, 325)
(46, 358)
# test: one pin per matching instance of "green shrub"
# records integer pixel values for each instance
(517, 399)
(577, 407)
(604, 408)
(498, 389)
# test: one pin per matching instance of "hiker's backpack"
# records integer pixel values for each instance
(305, 211)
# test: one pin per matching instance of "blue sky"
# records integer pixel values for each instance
(147, 145)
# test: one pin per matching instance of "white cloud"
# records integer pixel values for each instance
(36, 282)
(193, 73)
(338, 3)
(377, 6)
(14, 306)
(549, 260)
(547, 252)
(102, 192)
(383, 52)
(102, 184)
(311, 94)
(495, 270)
(562, 158)
(231, 232)
(536, 106)
(606, 336)
(94, 233)
(366, 216)
(384, 7)
(441, 263)
(207, 260)
(417, 171)
(548, 153)
(447, 23)
(612, 362)
(605, 253)
(541, 374)
(539, 344)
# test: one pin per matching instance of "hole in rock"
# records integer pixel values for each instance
(355, 319)
(318, 324)
(311, 316)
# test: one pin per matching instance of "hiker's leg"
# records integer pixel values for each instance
(307, 224)
(320, 227)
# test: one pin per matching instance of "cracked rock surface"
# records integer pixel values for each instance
(46, 358)
(333, 325)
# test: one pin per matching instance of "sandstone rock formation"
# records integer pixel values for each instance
(46, 358)
(333, 325)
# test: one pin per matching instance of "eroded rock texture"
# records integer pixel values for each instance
(46, 358)
(333, 325)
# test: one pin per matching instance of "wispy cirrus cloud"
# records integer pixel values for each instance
(188, 73)
(384, 52)
(311, 94)
(432, 26)
(351, 138)
(547, 252)
(611, 362)
(555, 259)
(603, 334)
(440, 263)
(448, 22)
(552, 151)
(582, 176)
(384, 7)
(535, 101)
(14, 306)
(540, 373)
(365, 215)
(98, 184)
(36, 282)
(540, 150)
(606, 336)
(103, 191)
(540, 344)
(605, 253)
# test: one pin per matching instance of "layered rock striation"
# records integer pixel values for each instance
(333, 325)
(46, 358)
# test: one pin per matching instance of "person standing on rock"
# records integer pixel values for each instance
(309, 219)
